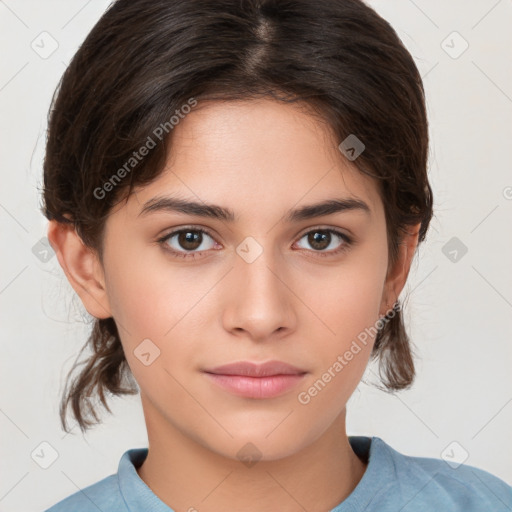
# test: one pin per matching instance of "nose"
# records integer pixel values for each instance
(259, 302)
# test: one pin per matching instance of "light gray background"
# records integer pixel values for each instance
(458, 311)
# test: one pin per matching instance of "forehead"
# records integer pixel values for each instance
(257, 156)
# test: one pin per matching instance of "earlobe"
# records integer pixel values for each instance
(397, 276)
(82, 268)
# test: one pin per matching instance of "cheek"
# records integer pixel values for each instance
(348, 307)
(150, 314)
(349, 298)
(157, 302)
(146, 295)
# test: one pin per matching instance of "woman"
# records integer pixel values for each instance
(236, 190)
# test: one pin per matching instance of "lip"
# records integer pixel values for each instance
(253, 380)
(249, 369)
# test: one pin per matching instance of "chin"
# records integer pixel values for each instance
(260, 446)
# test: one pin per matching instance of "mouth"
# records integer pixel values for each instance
(252, 380)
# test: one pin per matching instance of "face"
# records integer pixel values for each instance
(191, 292)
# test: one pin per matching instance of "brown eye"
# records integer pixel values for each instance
(319, 240)
(322, 239)
(187, 242)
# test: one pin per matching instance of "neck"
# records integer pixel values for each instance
(187, 475)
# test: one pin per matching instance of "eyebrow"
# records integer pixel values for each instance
(212, 211)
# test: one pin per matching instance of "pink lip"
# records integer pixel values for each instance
(252, 380)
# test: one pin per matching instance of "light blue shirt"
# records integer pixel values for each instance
(392, 482)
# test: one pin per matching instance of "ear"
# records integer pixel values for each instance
(397, 275)
(81, 266)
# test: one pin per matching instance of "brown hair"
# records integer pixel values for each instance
(145, 59)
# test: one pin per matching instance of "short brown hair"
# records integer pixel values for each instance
(144, 59)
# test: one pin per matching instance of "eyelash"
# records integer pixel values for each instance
(193, 255)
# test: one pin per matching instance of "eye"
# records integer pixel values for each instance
(320, 239)
(186, 242)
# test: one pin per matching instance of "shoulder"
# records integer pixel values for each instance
(464, 488)
(103, 495)
(113, 492)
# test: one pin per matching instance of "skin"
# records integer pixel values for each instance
(259, 158)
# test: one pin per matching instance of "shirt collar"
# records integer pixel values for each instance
(379, 473)
(139, 497)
